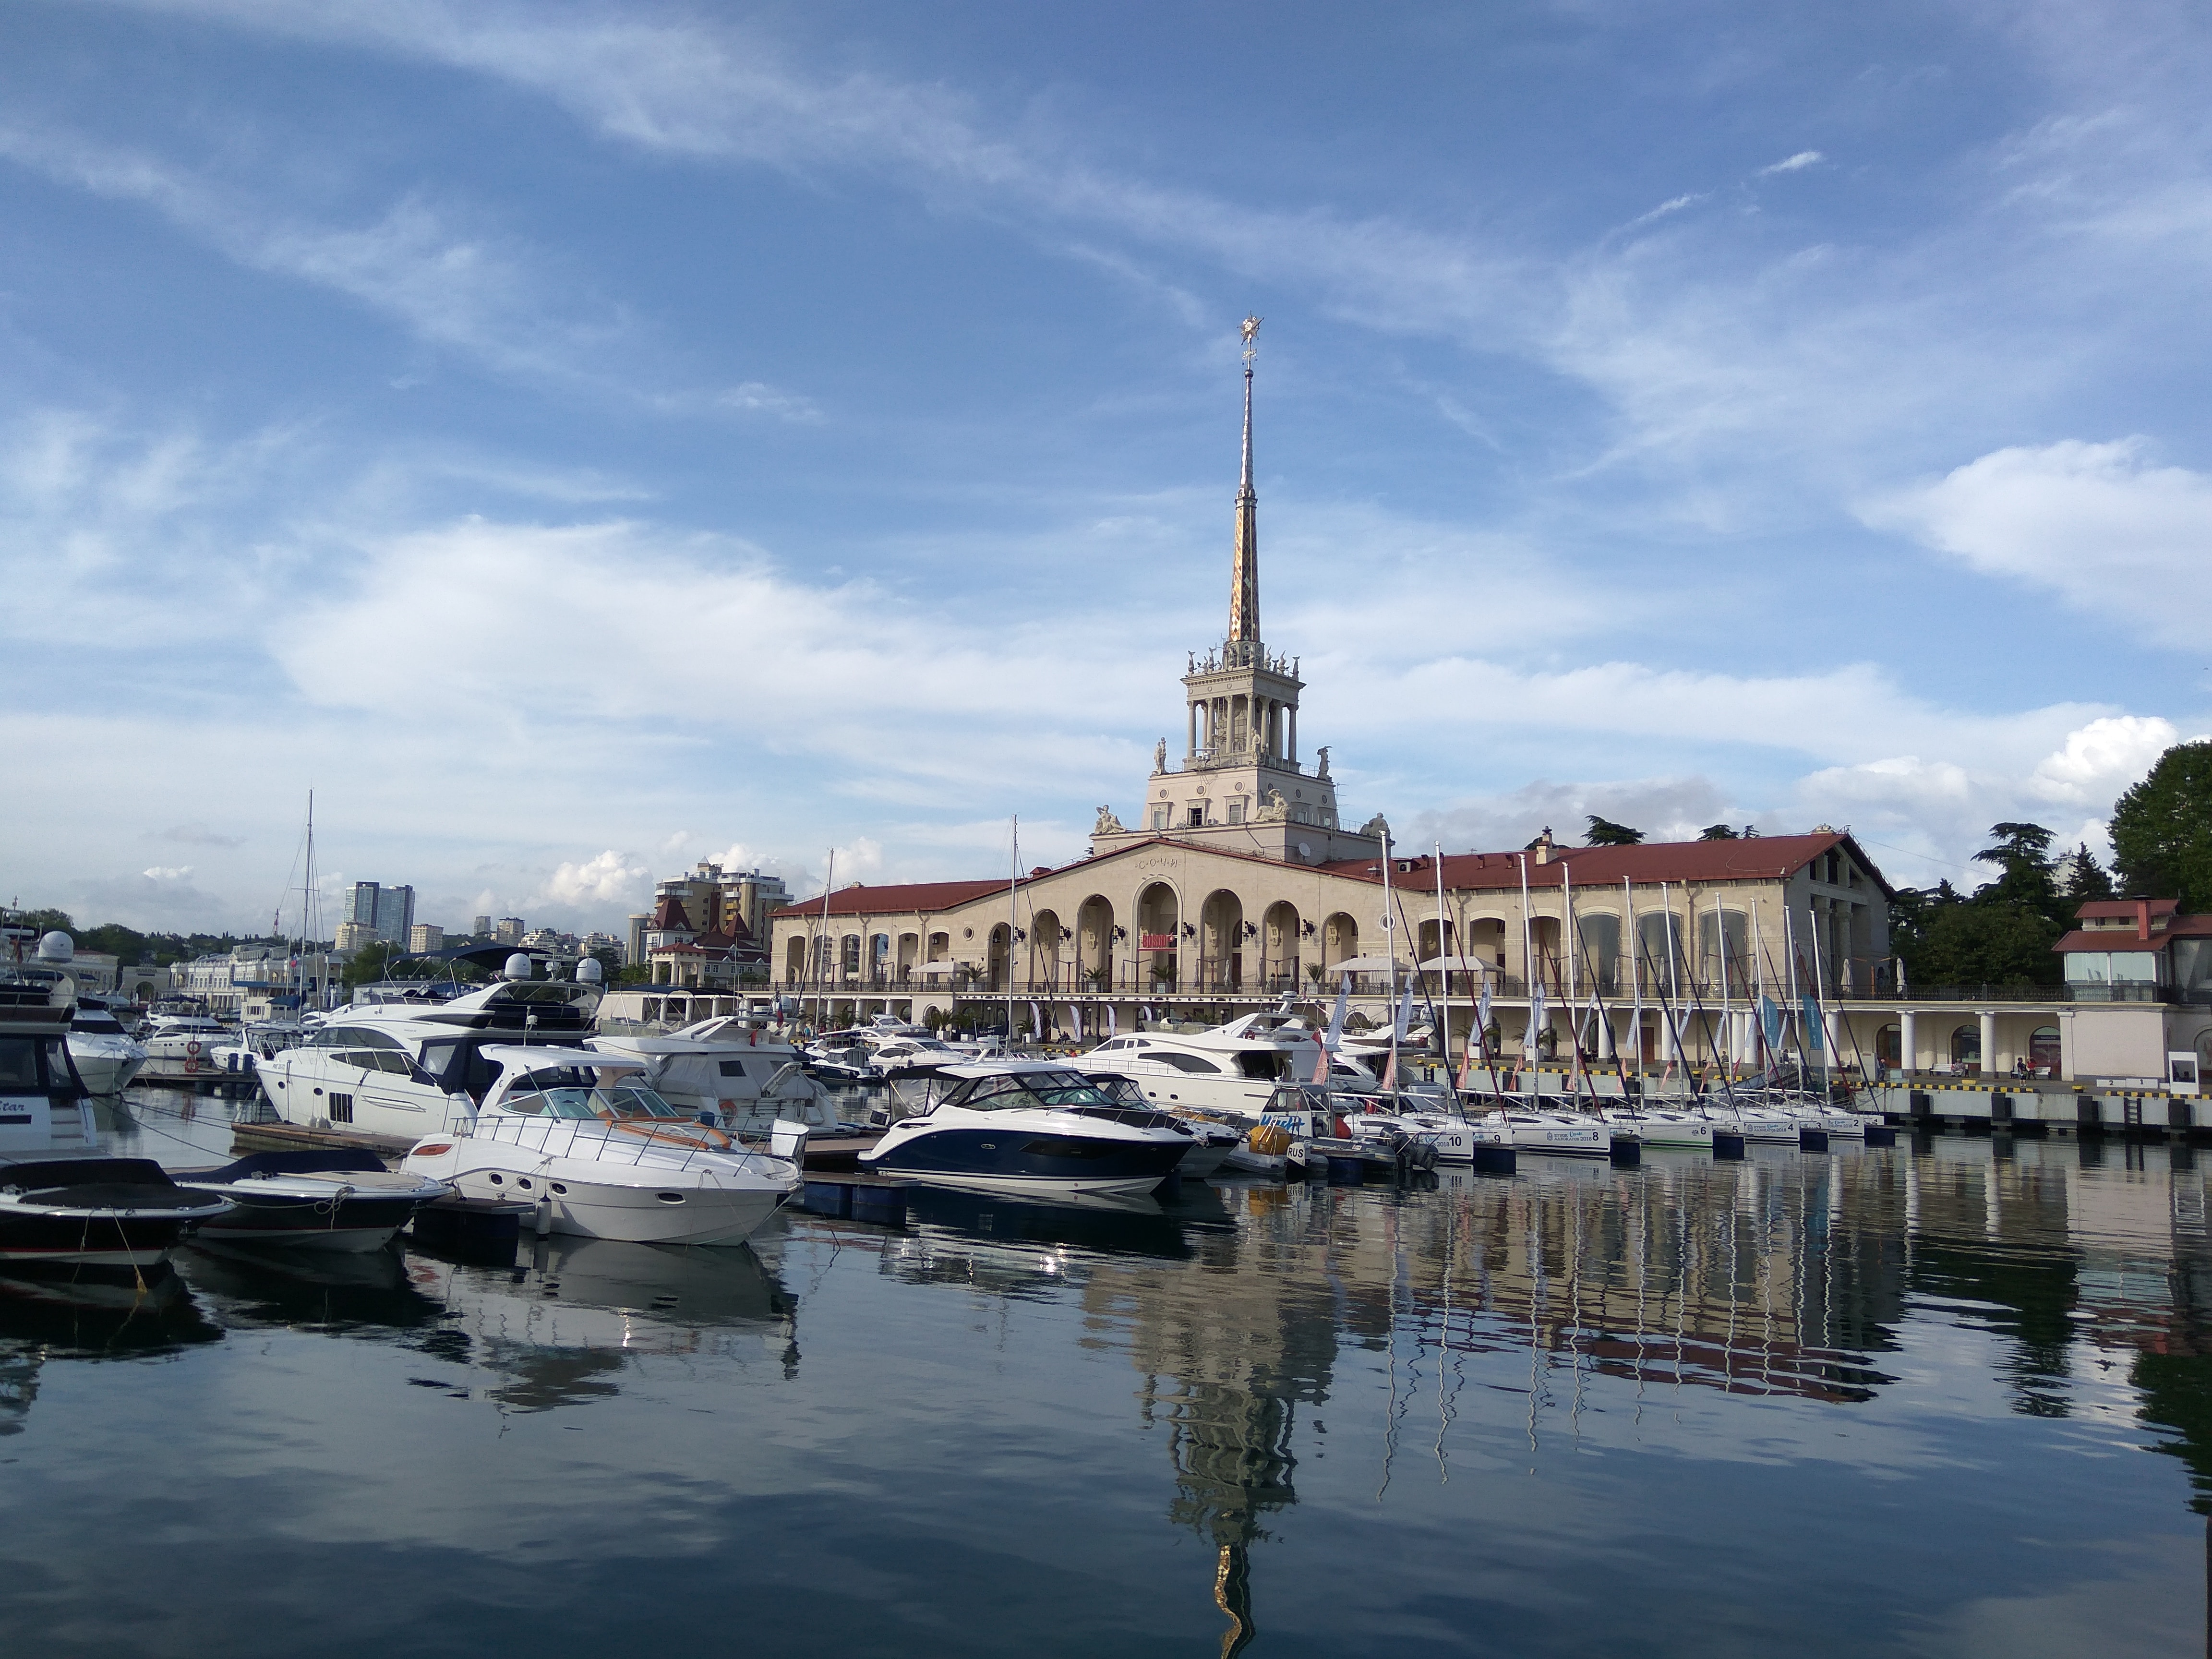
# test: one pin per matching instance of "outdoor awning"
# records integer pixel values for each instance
(936, 968)
(1362, 965)
(1454, 965)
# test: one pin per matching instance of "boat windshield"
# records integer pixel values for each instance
(1008, 1091)
(574, 1091)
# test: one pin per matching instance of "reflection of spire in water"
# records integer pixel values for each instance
(1228, 1355)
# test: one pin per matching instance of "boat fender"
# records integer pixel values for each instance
(545, 1214)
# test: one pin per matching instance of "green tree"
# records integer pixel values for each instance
(2162, 831)
(1716, 832)
(48, 920)
(1604, 832)
(2027, 874)
(2086, 878)
(1995, 944)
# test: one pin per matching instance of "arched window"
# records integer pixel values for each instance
(1600, 943)
(1889, 1047)
(1967, 1045)
(1659, 936)
(1724, 948)
(2043, 1050)
(850, 953)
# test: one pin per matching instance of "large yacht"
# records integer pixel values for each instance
(413, 1069)
(106, 1056)
(578, 1134)
(1014, 1125)
(726, 1069)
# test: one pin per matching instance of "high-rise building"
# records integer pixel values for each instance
(426, 936)
(508, 929)
(388, 912)
(713, 900)
(481, 927)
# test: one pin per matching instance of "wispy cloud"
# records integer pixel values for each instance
(1797, 163)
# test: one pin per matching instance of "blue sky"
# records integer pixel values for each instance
(575, 440)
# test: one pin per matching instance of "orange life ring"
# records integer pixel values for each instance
(191, 1067)
(191, 1045)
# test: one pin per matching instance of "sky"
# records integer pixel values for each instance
(575, 440)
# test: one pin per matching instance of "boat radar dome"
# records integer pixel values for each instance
(57, 946)
(588, 971)
(518, 967)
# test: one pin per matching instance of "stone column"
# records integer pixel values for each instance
(1989, 1043)
(1294, 735)
(1191, 748)
(1908, 1044)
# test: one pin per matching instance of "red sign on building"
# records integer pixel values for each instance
(1155, 941)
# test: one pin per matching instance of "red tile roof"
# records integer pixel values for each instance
(897, 899)
(2123, 909)
(1753, 857)
(669, 913)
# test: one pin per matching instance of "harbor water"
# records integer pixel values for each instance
(1949, 1398)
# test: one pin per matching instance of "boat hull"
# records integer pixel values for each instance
(355, 1224)
(1022, 1160)
(115, 1213)
(584, 1207)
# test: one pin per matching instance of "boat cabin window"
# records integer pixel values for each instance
(352, 1036)
(1264, 1067)
(19, 1063)
(1190, 1063)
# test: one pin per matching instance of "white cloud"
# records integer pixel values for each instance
(2097, 762)
(609, 881)
(1801, 160)
(1665, 809)
(2095, 522)
(168, 872)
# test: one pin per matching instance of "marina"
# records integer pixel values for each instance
(1869, 1381)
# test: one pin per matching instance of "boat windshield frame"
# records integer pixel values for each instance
(1003, 1092)
(574, 1094)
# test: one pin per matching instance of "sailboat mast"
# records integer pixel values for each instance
(1444, 955)
(1013, 882)
(1391, 940)
(822, 951)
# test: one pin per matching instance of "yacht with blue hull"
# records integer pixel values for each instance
(1019, 1127)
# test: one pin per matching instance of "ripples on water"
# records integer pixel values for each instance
(1950, 1399)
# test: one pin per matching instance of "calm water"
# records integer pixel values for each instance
(1950, 1402)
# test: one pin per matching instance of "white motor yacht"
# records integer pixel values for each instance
(728, 1070)
(578, 1135)
(1014, 1126)
(189, 1048)
(106, 1056)
(413, 1069)
(1213, 1070)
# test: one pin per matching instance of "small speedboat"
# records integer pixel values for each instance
(1454, 1137)
(337, 1199)
(121, 1213)
(576, 1134)
(1015, 1126)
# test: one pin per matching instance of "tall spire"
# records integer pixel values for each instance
(1244, 573)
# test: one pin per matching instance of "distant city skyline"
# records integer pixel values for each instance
(578, 442)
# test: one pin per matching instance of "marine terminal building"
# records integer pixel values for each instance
(1236, 881)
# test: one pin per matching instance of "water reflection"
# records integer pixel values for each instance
(44, 1319)
(572, 1315)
